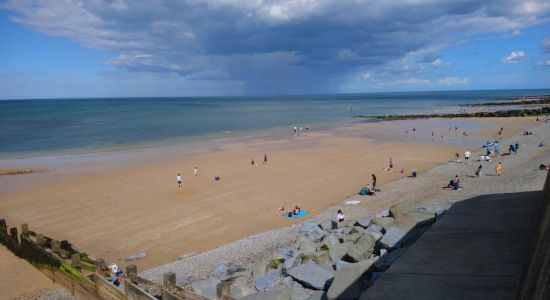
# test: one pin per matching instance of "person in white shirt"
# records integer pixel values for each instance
(340, 219)
(195, 171)
(178, 179)
(467, 155)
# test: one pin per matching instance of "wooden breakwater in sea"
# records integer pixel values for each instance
(87, 277)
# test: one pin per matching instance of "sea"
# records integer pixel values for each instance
(30, 128)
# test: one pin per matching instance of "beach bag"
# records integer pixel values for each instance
(363, 191)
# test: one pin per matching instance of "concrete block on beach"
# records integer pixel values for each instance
(312, 230)
(270, 279)
(337, 252)
(327, 225)
(331, 241)
(384, 213)
(362, 249)
(281, 293)
(259, 269)
(312, 276)
(207, 287)
(238, 291)
(385, 222)
(392, 238)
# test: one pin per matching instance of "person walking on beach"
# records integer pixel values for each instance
(478, 171)
(195, 171)
(295, 130)
(373, 182)
(467, 155)
(497, 149)
(252, 163)
(390, 164)
(340, 219)
(457, 157)
(499, 168)
(178, 179)
(265, 158)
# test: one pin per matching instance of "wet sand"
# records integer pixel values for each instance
(116, 209)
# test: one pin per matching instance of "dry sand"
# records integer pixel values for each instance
(19, 279)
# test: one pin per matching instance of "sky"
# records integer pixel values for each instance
(118, 48)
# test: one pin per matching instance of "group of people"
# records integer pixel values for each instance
(299, 130)
(179, 177)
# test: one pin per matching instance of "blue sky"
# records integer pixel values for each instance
(120, 48)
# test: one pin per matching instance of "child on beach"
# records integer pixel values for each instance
(457, 157)
(373, 182)
(296, 210)
(499, 168)
(340, 219)
(478, 171)
(178, 179)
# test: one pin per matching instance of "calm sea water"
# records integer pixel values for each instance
(34, 127)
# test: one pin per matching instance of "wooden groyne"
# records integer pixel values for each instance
(87, 277)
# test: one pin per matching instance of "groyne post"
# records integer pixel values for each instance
(40, 239)
(14, 235)
(3, 226)
(25, 229)
(131, 271)
(75, 260)
(169, 280)
(55, 246)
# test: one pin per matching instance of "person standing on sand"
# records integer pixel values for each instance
(391, 164)
(457, 157)
(265, 158)
(373, 182)
(340, 219)
(195, 171)
(499, 168)
(252, 163)
(467, 155)
(178, 179)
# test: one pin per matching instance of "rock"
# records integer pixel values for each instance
(385, 222)
(281, 293)
(331, 241)
(392, 238)
(358, 229)
(327, 225)
(187, 255)
(384, 213)
(259, 269)
(207, 287)
(362, 249)
(347, 283)
(307, 246)
(321, 258)
(377, 235)
(136, 256)
(399, 208)
(387, 260)
(353, 237)
(238, 291)
(338, 251)
(294, 260)
(219, 270)
(299, 293)
(312, 276)
(318, 295)
(292, 256)
(312, 230)
(375, 227)
(364, 222)
(270, 279)
(341, 264)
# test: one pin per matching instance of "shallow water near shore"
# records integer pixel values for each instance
(30, 128)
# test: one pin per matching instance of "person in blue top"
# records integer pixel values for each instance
(497, 149)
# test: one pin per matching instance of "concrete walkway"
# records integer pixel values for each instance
(477, 250)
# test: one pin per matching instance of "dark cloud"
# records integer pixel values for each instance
(273, 46)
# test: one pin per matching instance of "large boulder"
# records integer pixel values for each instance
(259, 269)
(388, 259)
(353, 237)
(219, 270)
(327, 225)
(321, 258)
(375, 231)
(392, 239)
(364, 222)
(312, 230)
(338, 251)
(238, 291)
(348, 281)
(385, 222)
(281, 293)
(270, 279)
(207, 288)
(384, 213)
(307, 246)
(312, 276)
(362, 249)
(331, 241)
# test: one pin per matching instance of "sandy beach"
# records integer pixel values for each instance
(114, 209)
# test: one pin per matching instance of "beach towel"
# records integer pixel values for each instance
(293, 216)
(352, 202)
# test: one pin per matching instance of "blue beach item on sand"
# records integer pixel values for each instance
(295, 216)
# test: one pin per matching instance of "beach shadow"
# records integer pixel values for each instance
(471, 176)
(490, 174)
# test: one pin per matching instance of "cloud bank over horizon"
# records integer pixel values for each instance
(285, 46)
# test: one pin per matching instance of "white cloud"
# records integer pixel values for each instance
(438, 62)
(414, 81)
(514, 57)
(544, 63)
(448, 81)
(516, 32)
(366, 76)
(347, 54)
